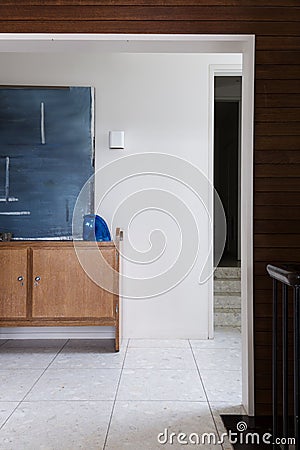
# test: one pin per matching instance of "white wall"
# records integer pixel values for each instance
(161, 102)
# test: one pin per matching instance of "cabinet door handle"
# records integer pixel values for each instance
(20, 280)
(36, 280)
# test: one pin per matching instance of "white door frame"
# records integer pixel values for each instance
(172, 43)
(245, 188)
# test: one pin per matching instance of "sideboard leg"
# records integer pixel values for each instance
(117, 340)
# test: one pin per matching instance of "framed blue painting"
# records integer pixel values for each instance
(46, 156)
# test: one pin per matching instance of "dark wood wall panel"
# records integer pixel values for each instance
(277, 129)
(273, 170)
(267, 198)
(276, 157)
(278, 226)
(278, 143)
(277, 57)
(278, 115)
(172, 3)
(286, 254)
(146, 13)
(275, 24)
(273, 42)
(277, 87)
(148, 26)
(275, 100)
(277, 240)
(277, 72)
(277, 185)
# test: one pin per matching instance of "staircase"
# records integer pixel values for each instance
(227, 297)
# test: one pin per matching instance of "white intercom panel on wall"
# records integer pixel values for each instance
(116, 139)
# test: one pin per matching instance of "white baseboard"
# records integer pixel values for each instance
(57, 333)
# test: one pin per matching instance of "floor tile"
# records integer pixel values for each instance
(137, 425)
(56, 426)
(227, 408)
(90, 354)
(76, 384)
(16, 383)
(159, 358)
(218, 359)
(159, 384)
(158, 343)
(26, 358)
(6, 408)
(225, 386)
(226, 338)
(144, 384)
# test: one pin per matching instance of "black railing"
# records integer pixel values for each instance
(288, 275)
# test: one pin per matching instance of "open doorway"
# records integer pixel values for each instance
(227, 182)
(227, 299)
(227, 151)
(184, 44)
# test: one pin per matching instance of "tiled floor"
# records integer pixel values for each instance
(79, 394)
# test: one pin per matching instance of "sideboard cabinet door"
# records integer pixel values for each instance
(13, 283)
(61, 289)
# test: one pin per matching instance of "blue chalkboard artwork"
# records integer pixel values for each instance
(46, 156)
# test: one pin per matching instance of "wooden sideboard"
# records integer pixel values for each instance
(42, 283)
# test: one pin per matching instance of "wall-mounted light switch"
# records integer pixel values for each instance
(117, 139)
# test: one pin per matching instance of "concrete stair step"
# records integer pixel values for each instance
(231, 285)
(227, 319)
(227, 272)
(227, 297)
(227, 301)
(226, 310)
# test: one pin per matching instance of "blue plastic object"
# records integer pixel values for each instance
(95, 228)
